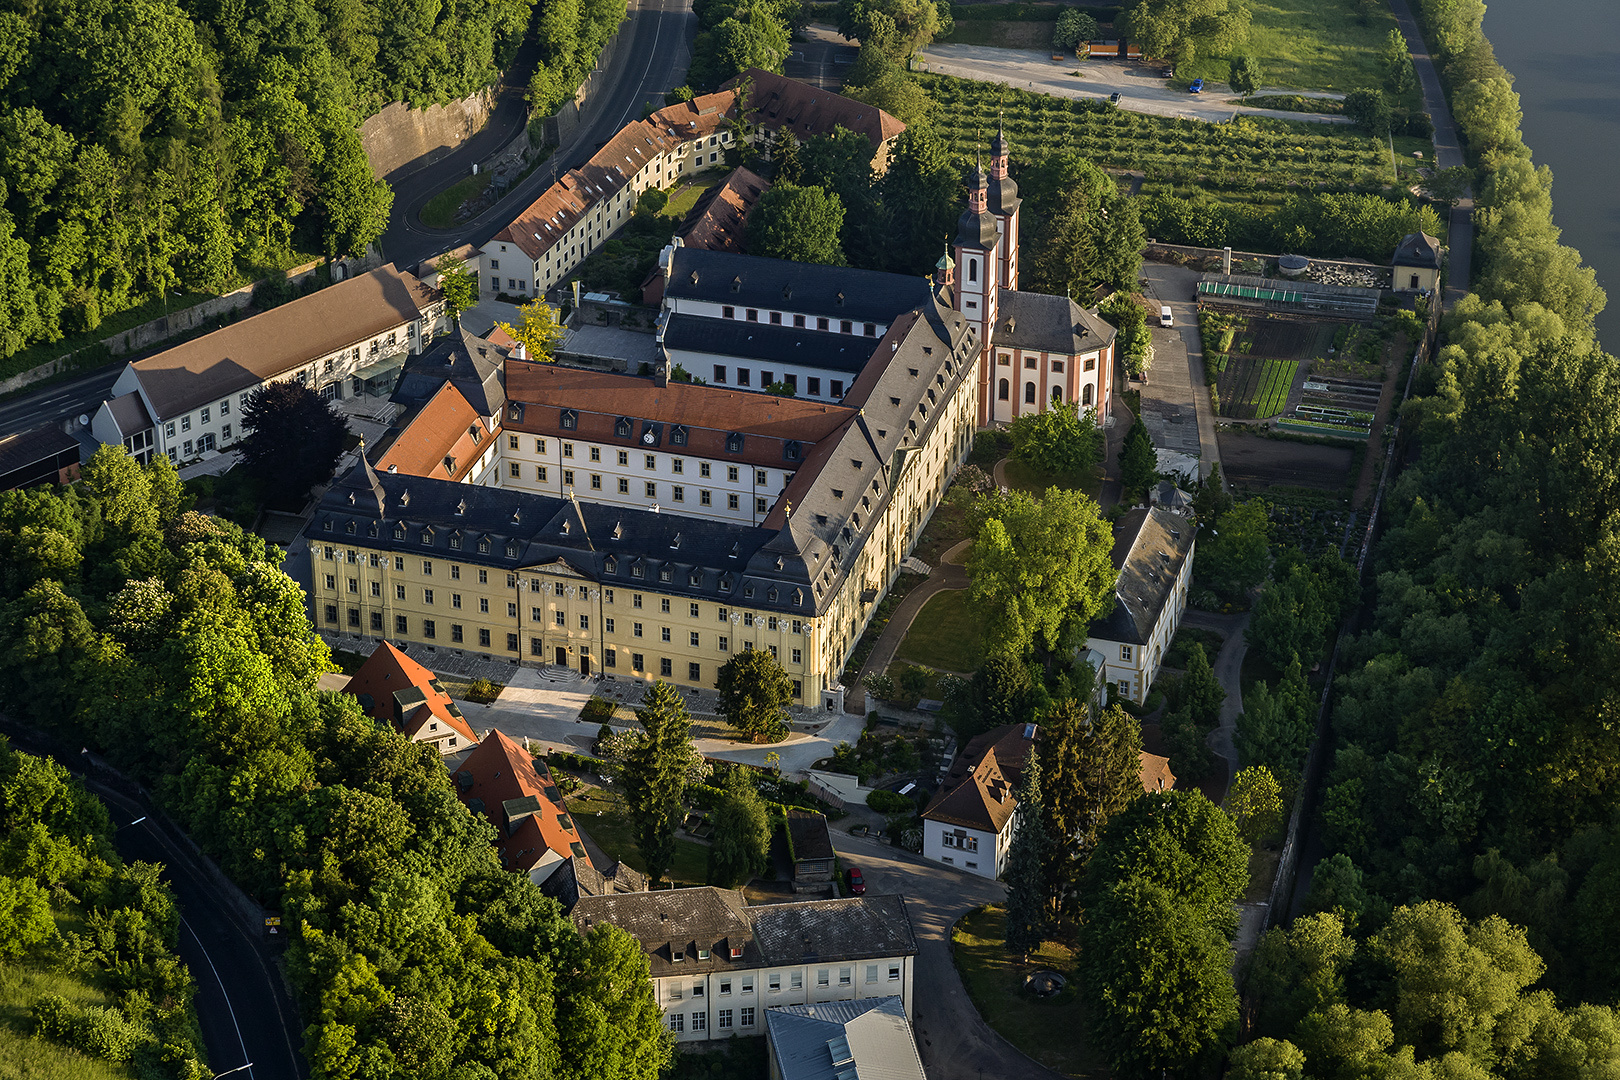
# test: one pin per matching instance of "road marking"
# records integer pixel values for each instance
(232, 1009)
(652, 54)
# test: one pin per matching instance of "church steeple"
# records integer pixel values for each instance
(1003, 202)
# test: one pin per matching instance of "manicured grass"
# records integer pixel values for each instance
(602, 816)
(946, 634)
(23, 1057)
(1309, 45)
(440, 211)
(1050, 1030)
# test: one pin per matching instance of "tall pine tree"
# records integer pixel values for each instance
(1092, 770)
(1026, 865)
(655, 775)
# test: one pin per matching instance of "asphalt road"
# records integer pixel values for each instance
(650, 57)
(822, 57)
(81, 395)
(242, 1007)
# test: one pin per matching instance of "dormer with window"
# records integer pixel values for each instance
(678, 435)
(734, 443)
(570, 419)
(637, 569)
(455, 540)
(622, 427)
(511, 550)
(483, 545)
(399, 531)
(666, 573)
(349, 528)
(791, 450)
(427, 534)
(610, 565)
(476, 433)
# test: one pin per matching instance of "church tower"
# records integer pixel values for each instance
(1004, 203)
(978, 244)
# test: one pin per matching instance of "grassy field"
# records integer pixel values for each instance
(440, 211)
(1253, 389)
(945, 635)
(1310, 45)
(1048, 1031)
(1001, 35)
(1252, 159)
(602, 816)
(25, 1058)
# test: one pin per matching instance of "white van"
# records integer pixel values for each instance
(1164, 316)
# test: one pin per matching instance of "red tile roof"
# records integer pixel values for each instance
(978, 792)
(1156, 774)
(709, 413)
(778, 103)
(516, 793)
(440, 441)
(384, 685)
(721, 219)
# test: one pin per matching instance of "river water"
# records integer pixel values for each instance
(1565, 58)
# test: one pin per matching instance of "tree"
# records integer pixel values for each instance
(1254, 803)
(1138, 461)
(1025, 873)
(1040, 571)
(1235, 557)
(1368, 110)
(740, 849)
(1058, 442)
(754, 694)
(1448, 185)
(1178, 839)
(919, 194)
(1211, 500)
(785, 155)
(1399, 78)
(1073, 27)
(1000, 692)
(655, 775)
(1245, 74)
(609, 1024)
(1079, 232)
(1275, 729)
(1266, 1059)
(537, 330)
(25, 918)
(1093, 770)
(799, 224)
(1181, 30)
(459, 285)
(1297, 970)
(1200, 691)
(293, 441)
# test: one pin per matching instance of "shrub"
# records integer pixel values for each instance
(102, 1032)
(890, 802)
(598, 710)
(483, 691)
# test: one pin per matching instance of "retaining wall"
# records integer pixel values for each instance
(401, 136)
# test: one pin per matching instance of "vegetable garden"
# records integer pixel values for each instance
(1253, 388)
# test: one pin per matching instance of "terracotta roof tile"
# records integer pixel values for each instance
(444, 441)
(517, 794)
(394, 689)
(778, 103)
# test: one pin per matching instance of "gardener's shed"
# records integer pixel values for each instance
(1417, 263)
(811, 842)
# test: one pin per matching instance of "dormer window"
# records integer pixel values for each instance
(570, 419)
(675, 543)
(703, 954)
(455, 541)
(621, 427)
(483, 546)
(349, 528)
(427, 534)
(725, 584)
(399, 532)
(770, 595)
(326, 526)
(694, 578)
(734, 443)
(736, 952)
(450, 464)
(511, 550)
(515, 412)
(637, 570)
(798, 597)
(677, 435)
(610, 565)
(461, 508)
(666, 574)
(476, 434)
(676, 956)
(790, 450)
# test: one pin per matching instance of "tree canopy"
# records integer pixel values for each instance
(537, 330)
(655, 775)
(755, 692)
(800, 224)
(293, 441)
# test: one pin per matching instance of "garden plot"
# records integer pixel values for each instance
(1334, 406)
(1257, 462)
(1254, 388)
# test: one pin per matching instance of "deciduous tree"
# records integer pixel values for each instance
(741, 845)
(1245, 76)
(800, 224)
(1254, 803)
(459, 285)
(754, 694)
(1058, 442)
(293, 441)
(537, 330)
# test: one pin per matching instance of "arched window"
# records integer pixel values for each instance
(1029, 393)
(973, 269)
(1057, 393)
(1006, 390)
(1085, 395)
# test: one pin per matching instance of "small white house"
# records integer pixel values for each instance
(971, 819)
(1153, 549)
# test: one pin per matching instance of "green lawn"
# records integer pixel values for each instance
(23, 1057)
(1050, 1030)
(1309, 45)
(440, 211)
(601, 815)
(946, 635)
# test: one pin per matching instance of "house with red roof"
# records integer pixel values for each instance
(394, 689)
(501, 782)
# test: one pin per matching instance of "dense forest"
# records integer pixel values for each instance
(163, 146)
(173, 642)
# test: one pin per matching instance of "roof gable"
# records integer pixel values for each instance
(504, 783)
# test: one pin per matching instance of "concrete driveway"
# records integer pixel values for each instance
(956, 1044)
(1138, 85)
(1175, 400)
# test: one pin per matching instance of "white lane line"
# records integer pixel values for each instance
(239, 1041)
(652, 54)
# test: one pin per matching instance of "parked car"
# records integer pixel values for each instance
(1113, 99)
(857, 883)
(1164, 316)
(1197, 87)
(1168, 72)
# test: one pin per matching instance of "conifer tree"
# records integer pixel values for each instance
(1026, 865)
(655, 775)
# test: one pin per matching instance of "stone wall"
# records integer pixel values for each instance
(401, 136)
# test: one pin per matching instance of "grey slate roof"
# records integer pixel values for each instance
(853, 928)
(1417, 249)
(685, 920)
(1150, 546)
(415, 515)
(823, 1040)
(37, 444)
(773, 344)
(462, 358)
(838, 292)
(977, 230)
(1029, 320)
(129, 413)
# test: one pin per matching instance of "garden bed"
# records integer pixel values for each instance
(1253, 388)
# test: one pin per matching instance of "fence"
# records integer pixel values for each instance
(1282, 886)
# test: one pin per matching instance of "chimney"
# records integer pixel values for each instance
(1226, 261)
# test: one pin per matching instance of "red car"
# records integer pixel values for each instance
(857, 884)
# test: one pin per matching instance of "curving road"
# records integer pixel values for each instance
(650, 57)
